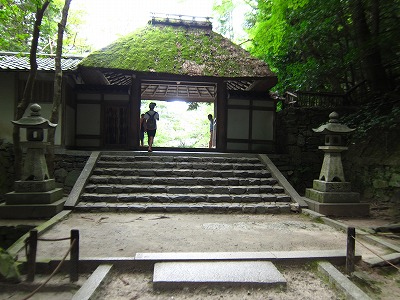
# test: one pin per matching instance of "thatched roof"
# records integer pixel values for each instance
(178, 48)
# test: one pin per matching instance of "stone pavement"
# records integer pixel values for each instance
(170, 275)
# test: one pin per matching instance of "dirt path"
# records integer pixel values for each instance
(125, 234)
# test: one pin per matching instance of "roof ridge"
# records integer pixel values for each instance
(180, 20)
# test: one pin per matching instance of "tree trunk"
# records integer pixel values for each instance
(57, 88)
(28, 91)
(371, 59)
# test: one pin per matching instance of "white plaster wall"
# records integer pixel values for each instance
(241, 102)
(118, 97)
(88, 119)
(238, 124)
(7, 109)
(88, 97)
(7, 96)
(263, 103)
(70, 126)
(237, 146)
(263, 125)
(88, 142)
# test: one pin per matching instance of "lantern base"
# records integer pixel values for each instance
(332, 192)
(31, 211)
(34, 197)
(339, 209)
(22, 186)
(33, 200)
(325, 186)
(333, 197)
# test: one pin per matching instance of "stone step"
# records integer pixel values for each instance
(180, 165)
(181, 181)
(173, 189)
(178, 158)
(178, 207)
(204, 183)
(185, 198)
(173, 275)
(181, 173)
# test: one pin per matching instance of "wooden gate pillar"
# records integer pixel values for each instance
(134, 100)
(221, 115)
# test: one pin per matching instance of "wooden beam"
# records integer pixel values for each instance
(134, 114)
(221, 116)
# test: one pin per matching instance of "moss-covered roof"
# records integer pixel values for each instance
(182, 50)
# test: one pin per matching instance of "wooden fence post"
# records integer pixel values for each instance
(74, 257)
(31, 256)
(351, 241)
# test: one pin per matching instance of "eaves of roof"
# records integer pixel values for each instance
(13, 61)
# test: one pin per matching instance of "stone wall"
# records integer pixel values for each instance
(371, 165)
(296, 139)
(68, 166)
(6, 168)
(10, 234)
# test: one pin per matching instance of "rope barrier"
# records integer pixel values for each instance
(44, 240)
(376, 253)
(52, 274)
(54, 240)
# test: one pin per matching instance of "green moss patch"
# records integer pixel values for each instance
(178, 50)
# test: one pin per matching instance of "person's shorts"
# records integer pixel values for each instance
(141, 135)
(151, 133)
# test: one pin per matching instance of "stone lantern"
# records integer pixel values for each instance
(331, 193)
(35, 195)
(35, 166)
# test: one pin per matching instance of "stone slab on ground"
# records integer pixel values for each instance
(393, 258)
(334, 256)
(89, 288)
(342, 282)
(172, 275)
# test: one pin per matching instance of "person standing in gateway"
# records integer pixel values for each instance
(151, 124)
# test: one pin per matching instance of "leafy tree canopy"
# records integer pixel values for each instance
(16, 25)
(328, 45)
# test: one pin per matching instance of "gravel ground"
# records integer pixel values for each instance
(125, 234)
(303, 283)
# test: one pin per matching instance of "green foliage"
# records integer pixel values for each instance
(8, 267)
(382, 114)
(313, 45)
(180, 126)
(17, 18)
(224, 10)
(232, 17)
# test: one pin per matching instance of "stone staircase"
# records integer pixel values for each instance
(182, 182)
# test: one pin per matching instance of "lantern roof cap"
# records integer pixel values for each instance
(333, 126)
(34, 119)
